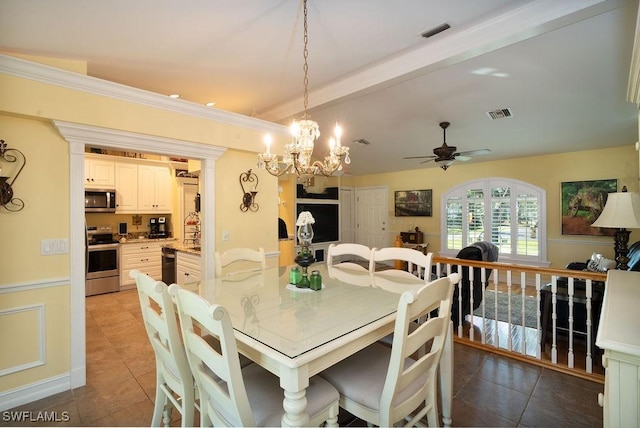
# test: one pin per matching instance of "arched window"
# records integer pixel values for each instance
(508, 213)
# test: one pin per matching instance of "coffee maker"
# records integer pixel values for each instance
(158, 227)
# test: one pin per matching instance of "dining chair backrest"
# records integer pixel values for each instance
(353, 252)
(172, 368)
(418, 263)
(255, 258)
(350, 275)
(436, 295)
(223, 398)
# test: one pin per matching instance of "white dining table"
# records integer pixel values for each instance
(296, 334)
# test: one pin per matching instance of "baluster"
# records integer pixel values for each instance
(589, 357)
(523, 284)
(554, 317)
(495, 307)
(538, 315)
(570, 355)
(509, 338)
(483, 279)
(471, 278)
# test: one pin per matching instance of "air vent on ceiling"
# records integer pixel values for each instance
(435, 30)
(500, 113)
(362, 142)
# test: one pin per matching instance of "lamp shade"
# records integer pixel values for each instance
(622, 211)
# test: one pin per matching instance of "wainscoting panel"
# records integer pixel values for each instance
(22, 333)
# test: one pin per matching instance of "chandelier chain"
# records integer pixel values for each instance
(298, 157)
(305, 67)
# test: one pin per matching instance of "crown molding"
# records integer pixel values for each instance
(132, 141)
(18, 67)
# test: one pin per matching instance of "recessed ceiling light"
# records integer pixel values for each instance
(484, 71)
(210, 104)
(174, 96)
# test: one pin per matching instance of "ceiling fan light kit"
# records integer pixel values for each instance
(445, 154)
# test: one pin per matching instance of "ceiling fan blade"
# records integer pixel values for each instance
(473, 153)
(428, 160)
(419, 157)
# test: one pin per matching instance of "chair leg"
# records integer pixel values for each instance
(160, 403)
(188, 408)
(432, 406)
(332, 420)
(166, 419)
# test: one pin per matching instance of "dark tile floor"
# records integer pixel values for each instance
(489, 390)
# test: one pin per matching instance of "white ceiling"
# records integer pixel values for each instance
(564, 66)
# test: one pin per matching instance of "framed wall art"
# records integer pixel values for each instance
(582, 203)
(413, 203)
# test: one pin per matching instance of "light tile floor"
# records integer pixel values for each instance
(489, 390)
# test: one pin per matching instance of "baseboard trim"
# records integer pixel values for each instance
(35, 391)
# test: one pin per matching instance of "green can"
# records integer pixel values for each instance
(315, 280)
(294, 276)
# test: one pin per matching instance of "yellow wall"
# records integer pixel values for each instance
(246, 229)
(27, 109)
(547, 172)
(43, 185)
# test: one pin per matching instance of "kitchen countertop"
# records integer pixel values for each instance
(185, 248)
(139, 240)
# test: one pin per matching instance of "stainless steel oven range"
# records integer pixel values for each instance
(102, 258)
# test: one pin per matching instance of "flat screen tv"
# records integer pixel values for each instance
(327, 225)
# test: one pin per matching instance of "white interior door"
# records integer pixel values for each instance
(372, 217)
(347, 217)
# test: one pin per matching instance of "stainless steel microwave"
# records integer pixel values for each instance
(99, 201)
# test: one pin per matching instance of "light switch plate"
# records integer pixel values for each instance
(50, 247)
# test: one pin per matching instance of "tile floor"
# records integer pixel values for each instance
(489, 390)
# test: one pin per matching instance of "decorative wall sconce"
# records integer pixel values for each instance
(249, 184)
(7, 201)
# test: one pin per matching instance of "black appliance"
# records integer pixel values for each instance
(99, 201)
(168, 265)
(102, 255)
(158, 227)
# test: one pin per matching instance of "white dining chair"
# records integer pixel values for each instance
(383, 385)
(232, 396)
(174, 382)
(256, 259)
(418, 263)
(353, 253)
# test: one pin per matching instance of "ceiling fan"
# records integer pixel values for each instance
(445, 155)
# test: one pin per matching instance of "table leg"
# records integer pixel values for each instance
(295, 406)
(446, 377)
(294, 381)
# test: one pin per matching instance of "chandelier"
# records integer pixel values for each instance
(304, 133)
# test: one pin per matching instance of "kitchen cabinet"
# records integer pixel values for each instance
(126, 187)
(154, 189)
(618, 337)
(187, 267)
(99, 173)
(144, 256)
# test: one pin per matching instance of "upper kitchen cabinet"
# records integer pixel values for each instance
(126, 187)
(154, 189)
(99, 173)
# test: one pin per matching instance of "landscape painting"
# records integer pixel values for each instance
(582, 203)
(413, 203)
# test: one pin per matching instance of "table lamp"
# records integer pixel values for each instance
(621, 211)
